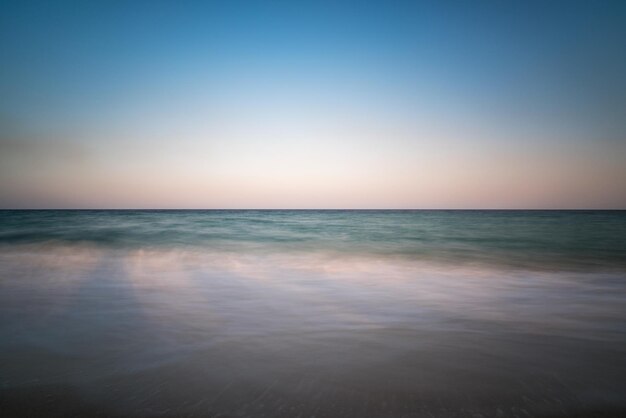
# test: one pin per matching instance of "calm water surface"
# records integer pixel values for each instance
(313, 313)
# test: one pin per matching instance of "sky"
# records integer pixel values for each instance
(289, 104)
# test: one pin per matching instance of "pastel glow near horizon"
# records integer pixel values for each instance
(312, 105)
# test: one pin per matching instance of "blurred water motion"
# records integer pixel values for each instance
(311, 313)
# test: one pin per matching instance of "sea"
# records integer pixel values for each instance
(312, 313)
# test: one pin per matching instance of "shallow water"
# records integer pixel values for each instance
(313, 313)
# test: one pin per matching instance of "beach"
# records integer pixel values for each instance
(313, 313)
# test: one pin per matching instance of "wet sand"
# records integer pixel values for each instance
(88, 331)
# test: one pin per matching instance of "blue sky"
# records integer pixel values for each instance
(313, 104)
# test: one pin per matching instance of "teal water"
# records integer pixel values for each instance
(566, 239)
(313, 313)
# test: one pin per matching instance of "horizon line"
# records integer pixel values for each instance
(316, 209)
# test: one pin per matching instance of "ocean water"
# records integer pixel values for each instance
(313, 313)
